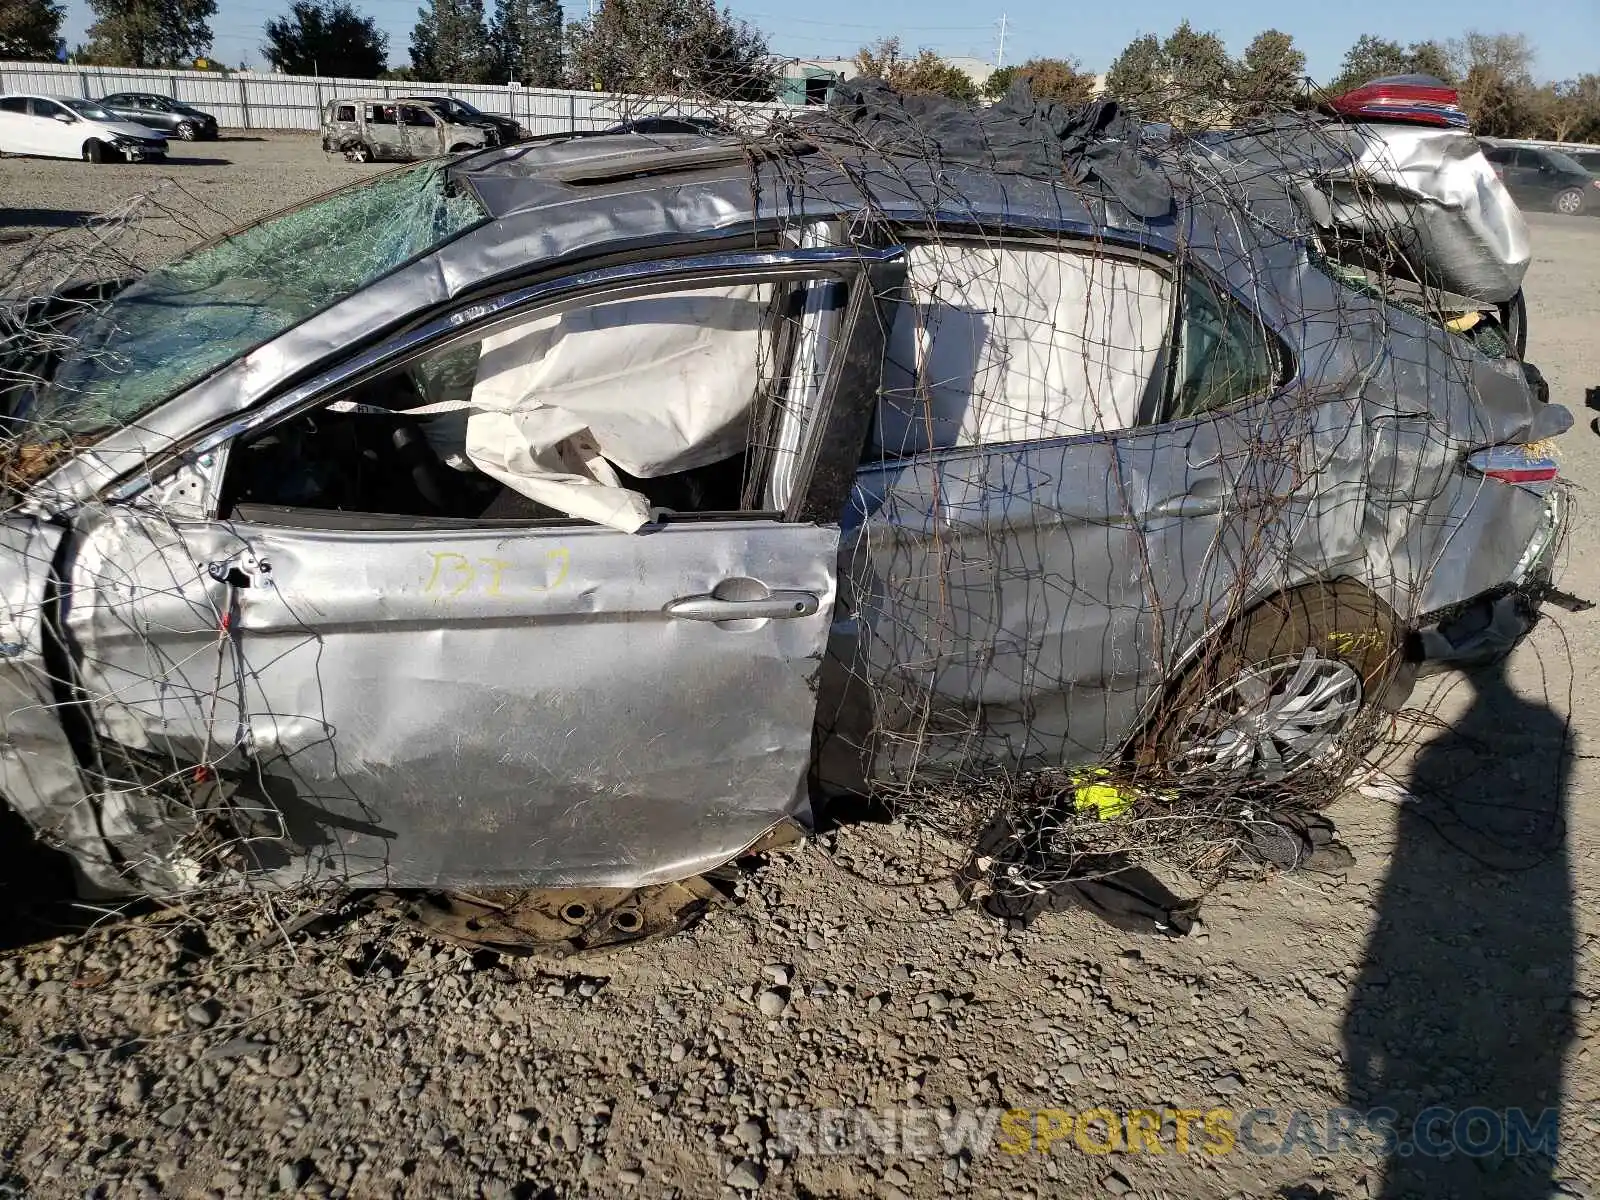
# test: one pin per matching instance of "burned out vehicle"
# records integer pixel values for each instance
(458, 112)
(390, 131)
(608, 499)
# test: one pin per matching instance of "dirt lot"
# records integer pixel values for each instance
(1454, 965)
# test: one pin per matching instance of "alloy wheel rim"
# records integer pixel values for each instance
(1271, 719)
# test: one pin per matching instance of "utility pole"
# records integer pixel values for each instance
(1000, 54)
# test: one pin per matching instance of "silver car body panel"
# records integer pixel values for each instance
(450, 706)
(563, 730)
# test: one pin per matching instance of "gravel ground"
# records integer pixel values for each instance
(213, 1054)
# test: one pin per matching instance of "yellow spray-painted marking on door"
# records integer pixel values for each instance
(455, 574)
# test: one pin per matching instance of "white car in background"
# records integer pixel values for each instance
(67, 127)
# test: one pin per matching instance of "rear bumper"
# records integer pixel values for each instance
(1489, 625)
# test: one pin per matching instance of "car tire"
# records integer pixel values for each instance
(187, 130)
(1570, 202)
(360, 153)
(96, 151)
(1301, 681)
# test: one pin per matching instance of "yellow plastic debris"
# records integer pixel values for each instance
(1464, 322)
(1105, 800)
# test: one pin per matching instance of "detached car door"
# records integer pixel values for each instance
(401, 658)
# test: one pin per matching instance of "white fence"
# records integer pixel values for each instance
(245, 100)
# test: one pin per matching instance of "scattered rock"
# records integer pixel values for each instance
(292, 1174)
(746, 1175)
(285, 1066)
(204, 1014)
(773, 1002)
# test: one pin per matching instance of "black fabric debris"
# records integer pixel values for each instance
(1298, 842)
(1130, 898)
(1096, 143)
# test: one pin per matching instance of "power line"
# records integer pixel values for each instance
(786, 19)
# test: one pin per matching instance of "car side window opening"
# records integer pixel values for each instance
(48, 108)
(381, 114)
(1224, 353)
(14, 104)
(1001, 343)
(347, 112)
(615, 411)
(411, 115)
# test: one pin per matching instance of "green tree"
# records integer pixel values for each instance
(1371, 57)
(1430, 58)
(527, 36)
(450, 42)
(1496, 71)
(1271, 72)
(1569, 111)
(672, 47)
(924, 74)
(1061, 79)
(30, 30)
(1138, 76)
(150, 33)
(999, 82)
(1186, 79)
(326, 37)
(1200, 77)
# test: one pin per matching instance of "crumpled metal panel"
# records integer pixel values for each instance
(38, 771)
(484, 707)
(1020, 606)
(1428, 193)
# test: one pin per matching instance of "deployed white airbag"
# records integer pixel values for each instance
(999, 344)
(650, 386)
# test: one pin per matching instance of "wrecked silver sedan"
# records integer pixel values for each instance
(610, 499)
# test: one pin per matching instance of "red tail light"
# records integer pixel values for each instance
(1413, 99)
(1522, 465)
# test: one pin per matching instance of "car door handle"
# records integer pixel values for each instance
(775, 605)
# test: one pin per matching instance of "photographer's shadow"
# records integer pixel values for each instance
(1465, 995)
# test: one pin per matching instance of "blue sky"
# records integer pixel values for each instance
(1566, 33)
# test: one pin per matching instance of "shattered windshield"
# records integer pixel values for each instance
(181, 322)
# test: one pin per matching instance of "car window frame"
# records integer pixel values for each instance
(474, 321)
(910, 234)
(1283, 363)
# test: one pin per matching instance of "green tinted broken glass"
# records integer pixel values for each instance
(181, 322)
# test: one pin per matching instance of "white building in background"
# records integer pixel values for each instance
(808, 80)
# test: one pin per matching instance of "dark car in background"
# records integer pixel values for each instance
(657, 126)
(459, 112)
(1539, 177)
(1589, 160)
(164, 113)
